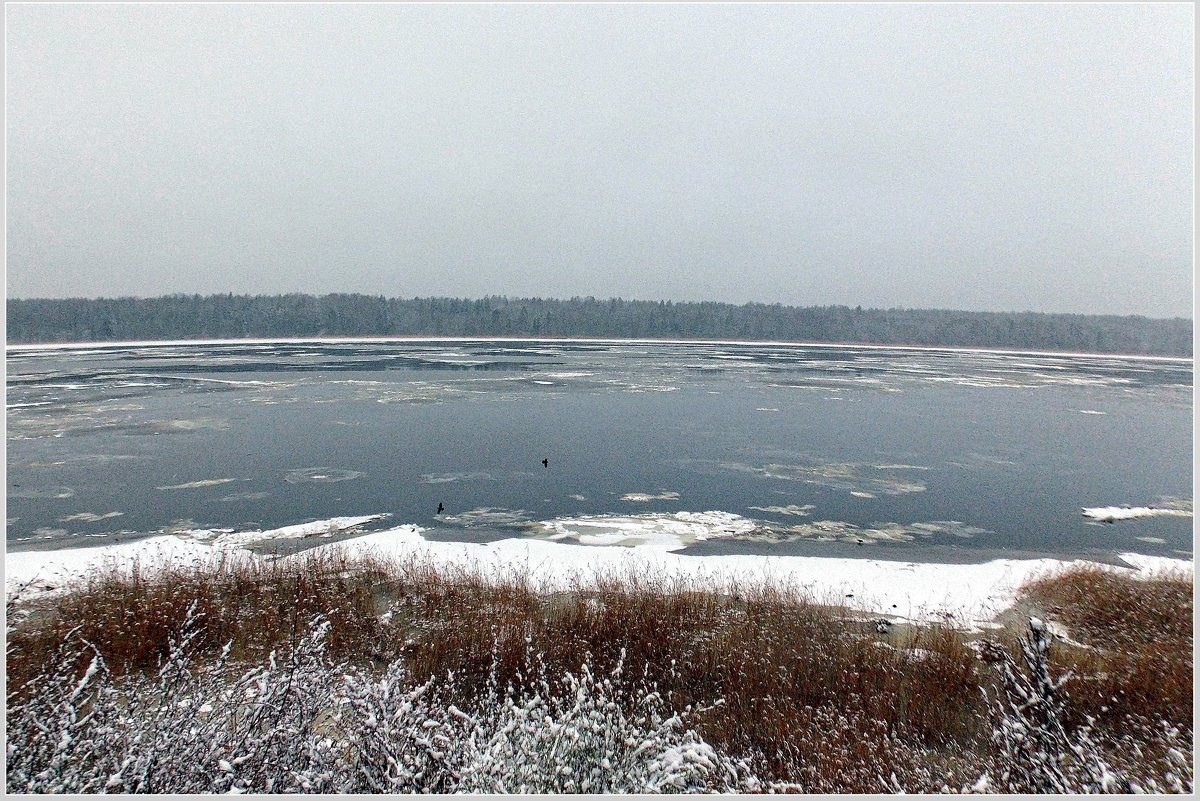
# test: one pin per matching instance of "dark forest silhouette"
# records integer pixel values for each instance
(235, 316)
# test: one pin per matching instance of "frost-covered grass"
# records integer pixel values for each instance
(300, 723)
(1035, 750)
(419, 676)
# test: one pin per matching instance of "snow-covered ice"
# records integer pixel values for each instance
(1108, 514)
(225, 538)
(645, 497)
(790, 509)
(663, 532)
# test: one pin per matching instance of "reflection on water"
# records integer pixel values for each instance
(896, 448)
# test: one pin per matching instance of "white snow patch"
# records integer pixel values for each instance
(1108, 514)
(1090, 411)
(962, 595)
(1145, 564)
(47, 571)
(1062, 634)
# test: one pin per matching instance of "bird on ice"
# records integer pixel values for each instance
(546, 463)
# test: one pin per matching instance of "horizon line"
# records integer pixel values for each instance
(649, 341)
(598, 299)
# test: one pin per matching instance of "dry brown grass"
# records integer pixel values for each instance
(130, 612)
(1139, 631)
(810, 695)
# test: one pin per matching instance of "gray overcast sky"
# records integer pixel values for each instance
(1031, 157)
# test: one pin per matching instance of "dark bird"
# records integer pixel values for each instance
(546, 463)
(440, 509)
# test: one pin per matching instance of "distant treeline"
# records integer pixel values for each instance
(236, 316)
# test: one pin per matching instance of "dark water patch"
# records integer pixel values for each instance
(41, 493)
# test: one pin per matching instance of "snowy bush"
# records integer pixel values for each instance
(299, 724)
(190, 728)
(585, 736)
(1033, 751)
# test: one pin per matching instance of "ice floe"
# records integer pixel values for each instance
(645, 497)
(666, 532)
(88, 517)
(841, 531)
(1109, 514)
(196, 424)
(861, 480)
(245, 496)
(447, 478)
(490, 517)
(204, 482)
(790, 509)
(845, 476)
(225, 538)
(319, 475)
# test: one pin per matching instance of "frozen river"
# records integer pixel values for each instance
(928, 455)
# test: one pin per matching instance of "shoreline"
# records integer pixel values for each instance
(968, 596)
(29, 346)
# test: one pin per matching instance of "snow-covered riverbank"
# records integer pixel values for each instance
(963, 595)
